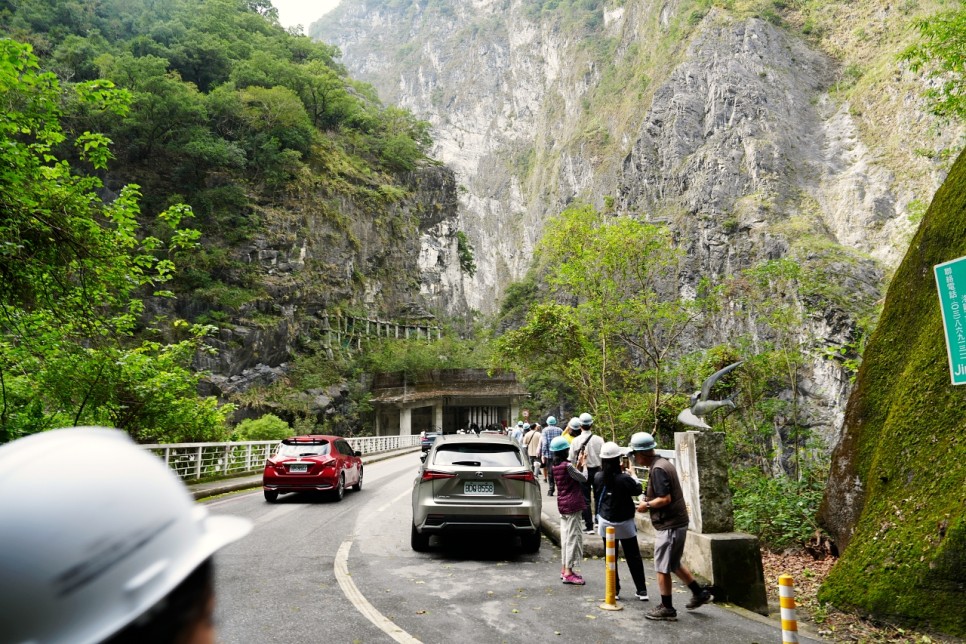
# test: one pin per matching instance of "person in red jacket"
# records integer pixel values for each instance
(570, 502)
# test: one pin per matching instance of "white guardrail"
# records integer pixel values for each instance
(209, 460)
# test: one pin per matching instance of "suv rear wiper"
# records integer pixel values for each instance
(473, 463)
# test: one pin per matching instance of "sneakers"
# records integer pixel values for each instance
(549, 492)
(699, 600)
(662, 614)
(641, 596)
(574, 579)
(590, 531)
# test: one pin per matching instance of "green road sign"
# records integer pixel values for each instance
(951, 282)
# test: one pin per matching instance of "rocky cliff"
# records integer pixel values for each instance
(897, 490)
(757, 133)
(327, 252)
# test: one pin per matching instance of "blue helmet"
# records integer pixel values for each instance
(642, 442)
(551, 420)
(559, 444)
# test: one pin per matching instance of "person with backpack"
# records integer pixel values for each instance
(588, 443)
(614, 490)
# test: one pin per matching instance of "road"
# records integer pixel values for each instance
(315, 570)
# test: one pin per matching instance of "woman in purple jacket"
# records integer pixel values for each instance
(570, 502)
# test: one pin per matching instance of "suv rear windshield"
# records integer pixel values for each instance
(303, 449)
(478, 455)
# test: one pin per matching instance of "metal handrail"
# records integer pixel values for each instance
(209, 460)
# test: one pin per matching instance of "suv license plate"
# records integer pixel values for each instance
(298, 468)
(472, 487)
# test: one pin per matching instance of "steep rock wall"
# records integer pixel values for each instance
(896, 498)
(735, 132)
(325, 253)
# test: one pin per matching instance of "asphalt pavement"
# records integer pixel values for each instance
(550, 519)
(550, 522)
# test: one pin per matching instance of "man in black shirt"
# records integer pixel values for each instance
(664, 499)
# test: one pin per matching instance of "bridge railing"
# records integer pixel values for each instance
(209, 460)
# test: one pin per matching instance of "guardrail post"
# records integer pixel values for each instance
(786, 599)
(610, 572)
(198, 462)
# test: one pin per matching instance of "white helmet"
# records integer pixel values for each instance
(612, 450)
(586, 419)
(95, 531)
(574, 423)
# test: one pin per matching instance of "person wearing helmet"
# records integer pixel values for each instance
(550, 433)
(95, 556)
(517, 433)
(572, 430)
(614, 490)
(570, 503)
(589, 443)
(664, 499)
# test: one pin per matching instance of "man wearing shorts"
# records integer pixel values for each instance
(664, 500)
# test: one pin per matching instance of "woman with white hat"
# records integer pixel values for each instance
(614, 490)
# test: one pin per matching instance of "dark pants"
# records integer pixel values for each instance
(632, 553)
(588, 514)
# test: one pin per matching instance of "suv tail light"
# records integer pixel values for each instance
(431, 475)
(527, 476)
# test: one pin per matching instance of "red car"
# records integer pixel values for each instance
(310, 464)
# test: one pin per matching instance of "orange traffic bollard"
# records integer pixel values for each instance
(610, 572)
(786, 599)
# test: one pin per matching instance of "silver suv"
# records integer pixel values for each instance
(470, 483)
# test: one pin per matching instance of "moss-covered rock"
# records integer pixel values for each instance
(897, 489)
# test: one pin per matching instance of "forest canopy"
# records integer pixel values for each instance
(124, 123)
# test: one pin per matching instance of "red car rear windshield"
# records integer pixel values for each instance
(305, 449)
(478, 455)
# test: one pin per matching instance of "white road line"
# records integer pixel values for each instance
(351, 592)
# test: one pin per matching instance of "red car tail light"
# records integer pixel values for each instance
(431, 475)
(527, 476)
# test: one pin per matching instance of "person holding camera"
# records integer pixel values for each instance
(664, 500)
(614, 490)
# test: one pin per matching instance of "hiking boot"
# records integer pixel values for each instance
(699, 600)
(662, 614)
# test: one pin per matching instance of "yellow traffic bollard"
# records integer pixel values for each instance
(786, 599)
(610, 574)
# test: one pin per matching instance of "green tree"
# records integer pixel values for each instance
(940, 53)
(265, 428)
(619, 276)
(73, 273)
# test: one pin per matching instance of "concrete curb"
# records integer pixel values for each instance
(593, 546)
(250, 481)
